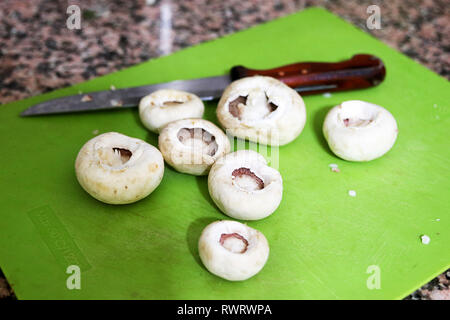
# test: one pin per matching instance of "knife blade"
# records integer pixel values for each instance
(361, 71)
(206, 88)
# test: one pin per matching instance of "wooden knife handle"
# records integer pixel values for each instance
(361, 71)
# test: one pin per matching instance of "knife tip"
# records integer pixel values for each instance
(25, 113)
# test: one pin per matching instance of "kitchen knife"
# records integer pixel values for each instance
(361, 71)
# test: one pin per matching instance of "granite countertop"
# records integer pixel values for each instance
(39, 54)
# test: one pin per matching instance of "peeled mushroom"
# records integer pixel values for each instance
(262, 109)
(118, 169)
(192, 145)
(359, 131)
(232, 250)
(244, 187)
(163, 106)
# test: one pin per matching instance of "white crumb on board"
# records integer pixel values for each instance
(95, 132)
(352, 193)
(86, 98)
(116, 103)
(334, 167)
(327, 95)
(438, 219)
(112, 87)
(425, 239)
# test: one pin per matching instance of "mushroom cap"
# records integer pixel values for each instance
(359, 131)
(272, 113)
(103, 173)
(233, 266)
(192, 145)
(244, 199)
(166, 105)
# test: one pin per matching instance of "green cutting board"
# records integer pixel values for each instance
(322, 241)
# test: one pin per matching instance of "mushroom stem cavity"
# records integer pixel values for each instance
(234, 242)
(270, 105)
(356, 122)
(236, 106)
(259, 106)
(246, 179)
(357, 115)
(192, 145)
(199, 139)
(113, 157)
(244, 187)
(262, 109)
(172, 103)
(124, 154)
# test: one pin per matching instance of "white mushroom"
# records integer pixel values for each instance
(117, 169)
(192, 145)
(244, 187)
(359, 131)
(262, 109)
(232, 250)
(163, 106)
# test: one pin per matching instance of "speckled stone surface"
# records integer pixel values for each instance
(39, 53)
